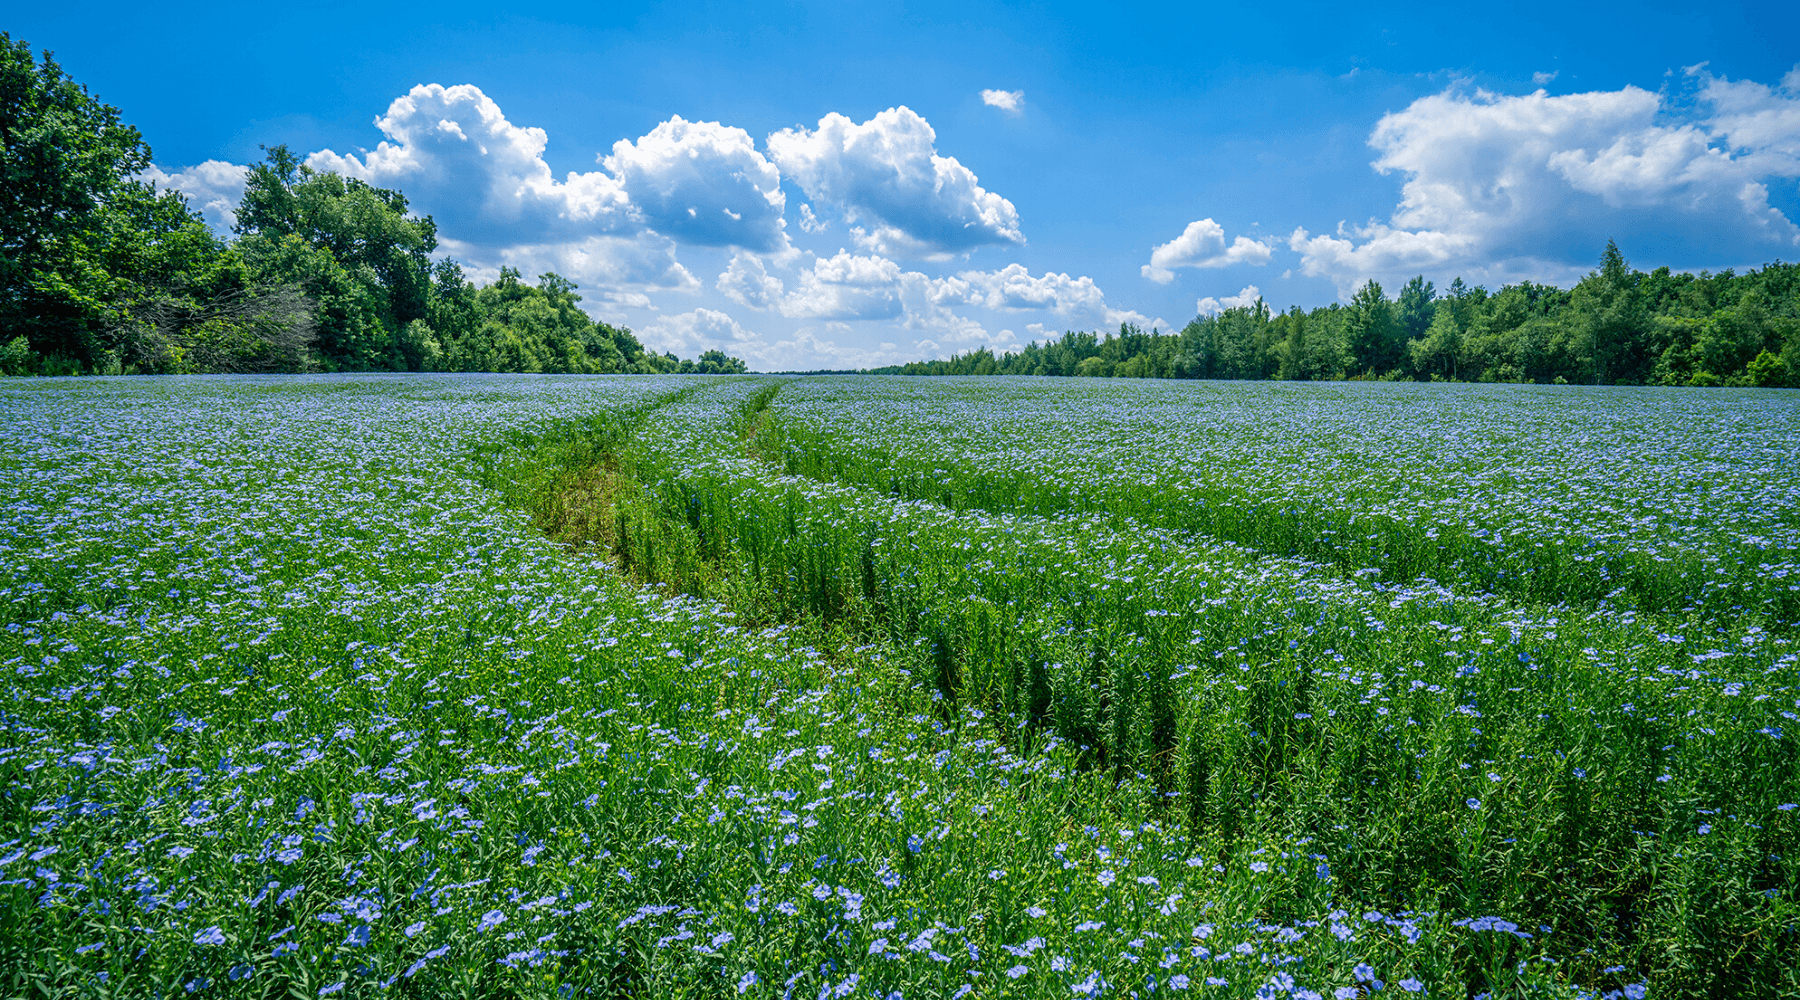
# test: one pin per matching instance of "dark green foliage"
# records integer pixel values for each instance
(64, 160)
(1416, 308)
(353, 249)
(1370, 331)
(101, 274)
(380, 302)
(1615, 327)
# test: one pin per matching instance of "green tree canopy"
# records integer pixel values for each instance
(1416, 308)
(352, 247)
(1617, 325)
(1373, 337)
(65, 159)
(1611, 322)
(98, 271)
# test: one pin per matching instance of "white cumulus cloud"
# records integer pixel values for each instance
(213, 189)
(1013, 288)
(1005, 100)
(851, 287)
(1077, 301)
(611, 270)
(1202, 244)
(697, 331)
(484, 179)
(455, 154)
(747, 282)
(886, 176)
(703, 183)
(848, 287)
(1210, 306)
(1499, 188)
(457, 157)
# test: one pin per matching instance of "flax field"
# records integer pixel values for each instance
(861, 687)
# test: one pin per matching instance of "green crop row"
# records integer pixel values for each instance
(1470, 507)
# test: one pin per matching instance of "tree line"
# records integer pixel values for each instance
(102, 274)
(1617, 326)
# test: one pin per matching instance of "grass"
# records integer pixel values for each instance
(513, 686)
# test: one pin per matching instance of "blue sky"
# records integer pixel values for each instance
(824, 185)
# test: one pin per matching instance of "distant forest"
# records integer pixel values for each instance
(1617, 326)
(101, 274)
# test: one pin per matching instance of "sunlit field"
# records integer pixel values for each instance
(486, 686)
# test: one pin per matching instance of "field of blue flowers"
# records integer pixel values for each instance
(491, 686)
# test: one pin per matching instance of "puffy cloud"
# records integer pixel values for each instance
(1500, 188)
(455, 154)
(703, 183)
(1202, 244)
(1761, 120)
(851, 287)
(614, 270)
(213, 188)
(1210, 306)
(848, 287)
(1387, 253)
(484, 179)
(1005, 100)
(885, 175)
(697, 331)
(497, 203)
(931, 307)
(1013, 288)
(810, 223)
(1077, 300)
(747, 282)
(809, 349)
(692, 333)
